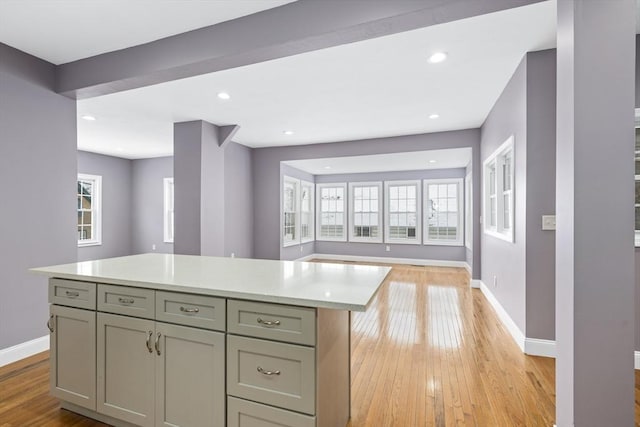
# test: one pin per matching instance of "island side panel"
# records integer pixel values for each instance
(333, 359)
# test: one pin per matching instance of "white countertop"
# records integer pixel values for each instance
(336, 286)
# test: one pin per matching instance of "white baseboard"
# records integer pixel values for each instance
(388, 260)
(476, 284)
(637, 360)
(538, 347)
(504, 317)
(25, 349)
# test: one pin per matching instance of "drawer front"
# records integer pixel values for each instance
(125, 300)
(242, 413)
(272, 321)
(270, 372)
(72, 293)
(192, 310)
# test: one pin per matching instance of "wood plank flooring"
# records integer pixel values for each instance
(428, 352)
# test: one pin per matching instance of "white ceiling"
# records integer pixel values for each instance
(415, 160)
(61, 31)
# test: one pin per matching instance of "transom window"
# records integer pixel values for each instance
(89, 196)
(332, 220)
(402, 212)
(443, 211)
(498, 184)
(366, 209)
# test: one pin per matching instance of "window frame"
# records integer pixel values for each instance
(312, 220)
(296, 182)
(636, 180)
(318, 215)
(425, 199)
(497, 158)
(352, 212)
(96, 209)
(387, 201)
(468, 211)
(168, 203)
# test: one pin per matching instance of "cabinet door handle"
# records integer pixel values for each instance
(269, 373)
(149, 342)
(72, 294)
(189, 309)
(157, 344)
(268, 322)
(126, 300)
(50, 323)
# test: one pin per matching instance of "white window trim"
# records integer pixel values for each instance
(296, 182)
(637, 178)
(418, 239)
(319, 188)
(468, 211)
(312, 201)
(425, 237)
(167, 183)
(96, 210)
(352, 237)
(498, 156)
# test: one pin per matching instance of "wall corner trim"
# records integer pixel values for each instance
(504, 317)
(23, 350)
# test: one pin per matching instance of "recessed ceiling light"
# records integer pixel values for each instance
(438, 57)
(288, 132)
(88, 117)
(224, 95)
(432, 161)
(434, 116)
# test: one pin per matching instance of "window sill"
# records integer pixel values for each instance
(441, 243)
(357, 240)
(85, 244)
(403, 242)
(342, 240)
(289, 244)
(501, 236)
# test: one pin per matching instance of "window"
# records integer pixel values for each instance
(365, 207)
(306, 212)
(468, 211)
(290, 211)
(89, 210)
(443, 211)
(331, 220)
(168, 210)
(402, 212)
(498, 192)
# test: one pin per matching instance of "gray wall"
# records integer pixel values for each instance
(500, 259)
(541, 195)
(147, 218)
(267, 176)
(116, 205)
(37, 183)
(238, 201)
(430, 252)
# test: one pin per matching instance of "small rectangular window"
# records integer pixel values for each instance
(468, 211)
(89, 196)
(306, 211)
(443, 211)
(290, 211)
(402, 212)
(168, 210)
(332, 217)
(365, 203)
(498, 184)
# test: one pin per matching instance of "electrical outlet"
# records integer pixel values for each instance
(153, 247)
(233, 255)
(387, 248)
(495, 281)
(548, 222)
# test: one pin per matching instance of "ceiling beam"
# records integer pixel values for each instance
(294, 28)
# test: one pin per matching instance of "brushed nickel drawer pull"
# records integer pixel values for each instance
(157, 344)
(126, 300)
(50, 323)
(268, 322)
(269, 373)
(189, 309)
(149, 342)
(72, 294)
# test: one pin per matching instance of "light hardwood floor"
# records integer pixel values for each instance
(428, 352)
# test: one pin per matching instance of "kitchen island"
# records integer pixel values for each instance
(179, 340)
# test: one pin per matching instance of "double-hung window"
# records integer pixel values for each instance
(307, 224)
(498, 188)
(89, 197)
(468, 211)
(365, 206)
(290, 211)
(402, 212)
(168, 210)
(332, 217)
(443, 211)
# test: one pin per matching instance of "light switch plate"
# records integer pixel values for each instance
(548, 222)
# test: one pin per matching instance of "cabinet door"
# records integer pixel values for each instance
(190, 377)
(73, 355)
(126, 368)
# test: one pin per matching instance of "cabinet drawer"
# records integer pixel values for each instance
(125, 300)
(242, 413)
(72, 293)
(271, 372)
(193, 310)
(272, 321)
